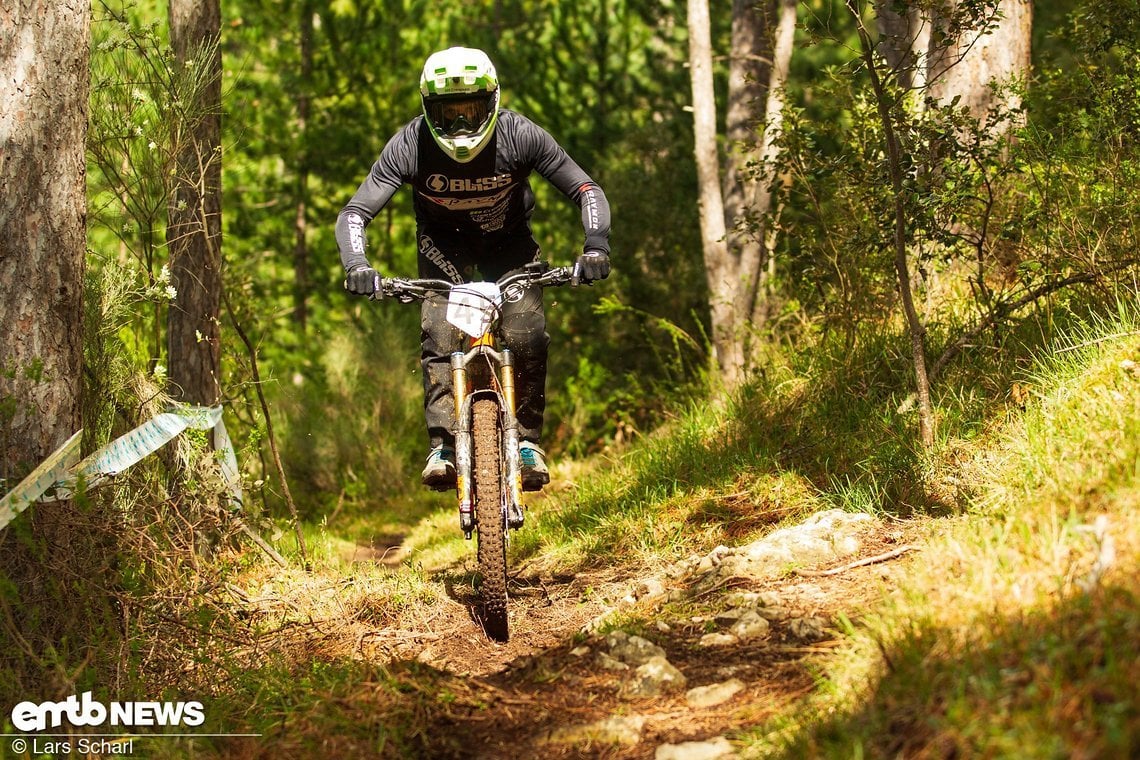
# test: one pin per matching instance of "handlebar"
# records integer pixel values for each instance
(540, 273)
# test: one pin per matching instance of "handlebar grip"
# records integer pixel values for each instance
(576, 275)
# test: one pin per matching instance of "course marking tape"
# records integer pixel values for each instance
(227, 460)
(147, 438)
(39, 480)
(61, 471)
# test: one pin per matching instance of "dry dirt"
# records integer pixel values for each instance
(508, 699)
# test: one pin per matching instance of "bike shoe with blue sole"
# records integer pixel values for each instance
(534, 472)
(439, 473)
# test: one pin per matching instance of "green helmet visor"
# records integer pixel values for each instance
(459, 115)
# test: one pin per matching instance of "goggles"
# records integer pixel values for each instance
(459, 115)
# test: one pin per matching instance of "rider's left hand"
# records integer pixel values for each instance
(593, 265)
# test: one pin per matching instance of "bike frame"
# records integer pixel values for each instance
(485, 371)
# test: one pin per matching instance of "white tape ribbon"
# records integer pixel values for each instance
(227, 459)
(144, 440)
(53, 469)
(61, 471)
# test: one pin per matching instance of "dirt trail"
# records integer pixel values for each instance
(524, 698)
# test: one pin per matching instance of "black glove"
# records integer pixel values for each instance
(592, 265)
(363, 281)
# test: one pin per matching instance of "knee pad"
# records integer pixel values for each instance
(525, 332)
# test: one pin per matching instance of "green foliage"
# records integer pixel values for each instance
(841, 213)
(1011, 210)
(370, 447)
(143, 111)
(1079, 152)
(593, 402)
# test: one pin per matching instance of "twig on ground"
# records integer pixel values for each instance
(858, 563)
(730, 582)
(401, 635)
(260, 542)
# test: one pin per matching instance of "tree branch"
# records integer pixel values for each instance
(1002, 310)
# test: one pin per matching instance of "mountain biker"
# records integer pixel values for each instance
(468, 162)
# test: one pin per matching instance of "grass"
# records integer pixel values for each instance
(817, 429)
(1032, 649)
(341, 708)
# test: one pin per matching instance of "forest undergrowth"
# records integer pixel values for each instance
(1012, 626)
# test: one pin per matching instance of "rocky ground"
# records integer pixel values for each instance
(709, 645)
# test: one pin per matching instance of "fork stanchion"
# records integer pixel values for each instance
(511, 442)
(462, 444)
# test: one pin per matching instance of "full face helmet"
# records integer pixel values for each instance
(461, 100)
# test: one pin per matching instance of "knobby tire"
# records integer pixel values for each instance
(492, 548)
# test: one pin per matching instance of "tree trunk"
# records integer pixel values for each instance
(48, 605)
(735, 243)
(43, 127)
(748, 72)
(301, 277)
(904, 41)
(966, 66)
(719, 269)
(927, 56)
(758, 270)
(747, 195)
(194, 226)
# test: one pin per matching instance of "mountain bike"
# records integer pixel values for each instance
(487, 463)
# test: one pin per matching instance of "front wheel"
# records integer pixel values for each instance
(492, 549)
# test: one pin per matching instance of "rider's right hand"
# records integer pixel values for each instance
(363, 281)
(592, 266)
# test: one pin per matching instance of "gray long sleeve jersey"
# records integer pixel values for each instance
(489, 196)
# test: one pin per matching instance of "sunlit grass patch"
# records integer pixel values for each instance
(1017, 634)
(1060, 681)
(436, 542)
(328, 708)
(654, 527)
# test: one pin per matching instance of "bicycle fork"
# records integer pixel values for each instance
(510, 496)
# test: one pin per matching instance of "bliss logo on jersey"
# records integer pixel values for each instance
(438, 183)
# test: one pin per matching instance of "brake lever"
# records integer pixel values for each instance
(411, 293)
(397, 288)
